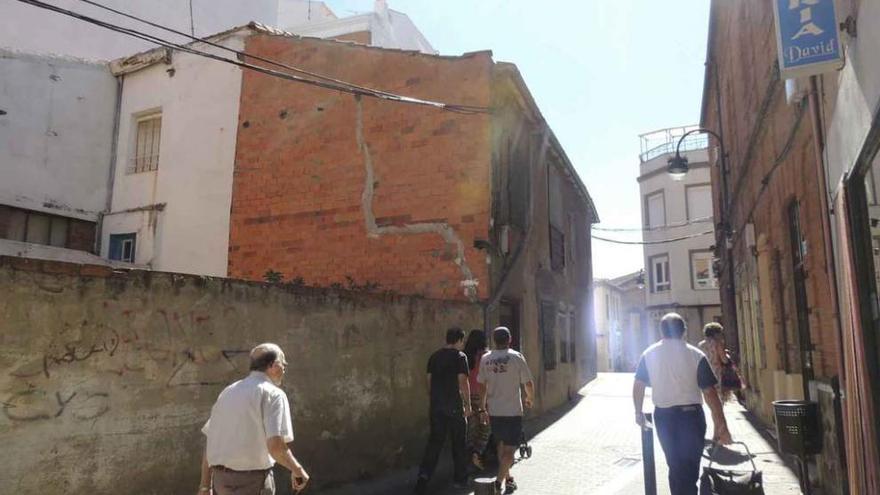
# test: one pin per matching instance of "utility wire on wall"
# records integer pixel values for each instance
(650, 243)
(324, 82)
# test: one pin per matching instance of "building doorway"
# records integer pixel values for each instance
(509, 317)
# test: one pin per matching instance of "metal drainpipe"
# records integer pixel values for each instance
(111, 178)
(726, 221)
(492, 303)
(830, 267)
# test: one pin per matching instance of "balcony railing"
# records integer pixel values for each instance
(664, 141)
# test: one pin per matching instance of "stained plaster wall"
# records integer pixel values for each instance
(101, 372)
(56, 134)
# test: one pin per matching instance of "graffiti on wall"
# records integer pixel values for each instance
(80, 363)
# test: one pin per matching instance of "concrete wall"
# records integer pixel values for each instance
(107, 377)
(856, 101)
(388, 29)
(180, 212)
(327, 187)
(32, 29)
(56, 134)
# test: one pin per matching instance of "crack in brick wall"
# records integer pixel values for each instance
(444, 230)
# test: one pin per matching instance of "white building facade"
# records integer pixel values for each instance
(678, 225)
(31, 29)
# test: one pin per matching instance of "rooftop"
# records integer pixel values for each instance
(663, 141)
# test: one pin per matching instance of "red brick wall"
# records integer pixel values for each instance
(756, 140)
(300, 173)
(81, 235)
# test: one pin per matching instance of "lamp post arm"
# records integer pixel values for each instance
(699, 131)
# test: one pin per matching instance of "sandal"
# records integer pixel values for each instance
(509, 486)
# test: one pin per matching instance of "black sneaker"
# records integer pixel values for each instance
(509, 486)
(421, 487)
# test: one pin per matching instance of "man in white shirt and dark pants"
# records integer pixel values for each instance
(680, 378)
(249, 430)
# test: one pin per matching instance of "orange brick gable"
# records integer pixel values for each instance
(301, 203)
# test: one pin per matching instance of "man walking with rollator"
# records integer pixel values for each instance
(680, 377)
(502, 373)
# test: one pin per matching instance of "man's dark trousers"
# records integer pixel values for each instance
(445, 424)
(682, 431)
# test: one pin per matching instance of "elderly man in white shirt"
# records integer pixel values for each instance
(249, 430)
(680, 378)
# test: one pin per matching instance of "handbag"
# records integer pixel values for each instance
(717, 481)
(730, 378)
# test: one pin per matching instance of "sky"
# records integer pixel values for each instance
(602, 72)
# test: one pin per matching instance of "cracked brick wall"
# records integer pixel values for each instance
(303, 204)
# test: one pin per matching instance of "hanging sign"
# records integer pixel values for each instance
(808, 37)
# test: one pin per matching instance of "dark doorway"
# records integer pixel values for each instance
(509, 318)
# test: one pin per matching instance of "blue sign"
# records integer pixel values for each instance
(808, 36)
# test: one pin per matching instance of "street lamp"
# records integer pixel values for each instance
(677, 166)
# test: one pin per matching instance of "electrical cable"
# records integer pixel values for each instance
(340, 86)
(652, 243)
(655, 229)
(242, 53)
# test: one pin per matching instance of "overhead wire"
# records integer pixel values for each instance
(655, 229)
(238, 52)
(323, 82)
(651, 243)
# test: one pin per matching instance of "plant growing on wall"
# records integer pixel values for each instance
(273, 277)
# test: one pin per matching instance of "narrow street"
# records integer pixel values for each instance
(594, 448)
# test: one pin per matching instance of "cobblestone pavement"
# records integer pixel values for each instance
(594, 448)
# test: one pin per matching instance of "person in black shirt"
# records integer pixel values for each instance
(450, 406)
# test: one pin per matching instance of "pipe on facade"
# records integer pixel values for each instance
(818, 148)
(830, 266)
(726, 224)
(111, 178)
(498, 293)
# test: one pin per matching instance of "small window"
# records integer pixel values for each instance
(38, 229)
(655, 210)
(548, 334)
(123, 247)
(562, 322)
(16, 225)
(572, 339)
(703, 271)
(557, 249)
(660, 277)
(146, 145)
(699, 202)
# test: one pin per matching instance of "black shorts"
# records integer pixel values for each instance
(507, 429)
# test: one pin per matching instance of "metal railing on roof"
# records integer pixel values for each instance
(664, 141)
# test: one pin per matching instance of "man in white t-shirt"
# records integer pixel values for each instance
(680, 378)
(249, 430)
(502, 373)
